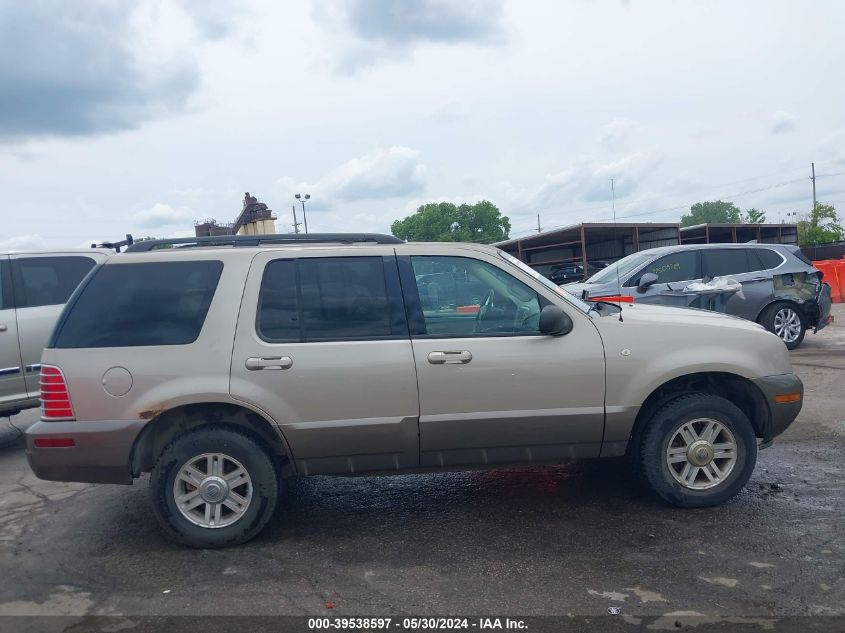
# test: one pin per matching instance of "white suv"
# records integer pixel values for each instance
(34, 287)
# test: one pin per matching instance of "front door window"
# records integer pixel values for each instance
(676, 267)
(467, 297)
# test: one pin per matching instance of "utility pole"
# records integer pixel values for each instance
(295, 223)
(538, 223)
(813, 178)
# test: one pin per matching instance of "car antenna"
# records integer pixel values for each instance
(618, 282)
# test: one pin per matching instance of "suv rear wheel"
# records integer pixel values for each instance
(213, 487)
(785, 320)
(698, 450)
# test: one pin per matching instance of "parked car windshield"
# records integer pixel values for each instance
(626, 265)
(584, 307)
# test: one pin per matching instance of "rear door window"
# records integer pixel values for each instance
(130, 305)
(6, 302)
(343, 298)
(723, 262)
(680, 266)
(45, 281)
(330, 298)
(278, 307)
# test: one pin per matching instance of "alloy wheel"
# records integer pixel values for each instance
(787, 324)
(212, 490)
(701, 454)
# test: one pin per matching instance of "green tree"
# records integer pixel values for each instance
(713, 212)
(481, 222)
(755, 216)
(821, 226)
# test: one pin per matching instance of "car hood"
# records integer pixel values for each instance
(577, 288)
(658, 314)
(596, 290)
(696, 340)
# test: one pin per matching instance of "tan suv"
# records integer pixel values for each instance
(223, 365)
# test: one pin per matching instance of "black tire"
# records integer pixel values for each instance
(769, 314)
(234, 444)
(663, 426)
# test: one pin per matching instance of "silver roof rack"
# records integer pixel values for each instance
(261, 240)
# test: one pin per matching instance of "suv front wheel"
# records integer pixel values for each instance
(698, 450)
(213, 487)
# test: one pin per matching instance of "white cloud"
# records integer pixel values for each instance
(389, 173)
(588, 180)
(617, 133)
(450, 112)
(832, 146)
(783, 122)
(163, 216)
(380, 174)
(30, 242)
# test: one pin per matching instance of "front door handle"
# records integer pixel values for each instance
(3, 327)
(443, 358)
(269, 362)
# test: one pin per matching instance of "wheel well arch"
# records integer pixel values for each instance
(738, 390)
(777, 300)
(167, 425)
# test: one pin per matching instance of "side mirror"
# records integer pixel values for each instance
(646, 280)
(554, 321)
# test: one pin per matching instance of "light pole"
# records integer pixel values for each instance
(302, 199)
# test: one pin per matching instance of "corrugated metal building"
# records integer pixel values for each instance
(607, 242)
(740, 233)
(589, 242)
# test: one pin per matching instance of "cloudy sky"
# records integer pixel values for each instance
(144, 116)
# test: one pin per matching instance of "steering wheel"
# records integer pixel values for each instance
(484, 309)
(528, 323)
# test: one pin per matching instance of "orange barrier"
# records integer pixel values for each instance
(834, 274)
(840, 275)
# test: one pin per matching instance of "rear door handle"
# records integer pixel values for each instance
(759, 279)
(3, 327)
(443, 358)
(269, 362)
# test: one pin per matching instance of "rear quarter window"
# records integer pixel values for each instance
(46, 281)
(131, 305)
(768, 258)
(797, 252)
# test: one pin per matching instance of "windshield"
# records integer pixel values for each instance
(584, 307)
(626, 266)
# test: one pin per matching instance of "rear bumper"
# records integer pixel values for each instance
(100, 454)
(781, 415)
(824, 303)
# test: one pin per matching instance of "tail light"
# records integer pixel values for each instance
(55, 399)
